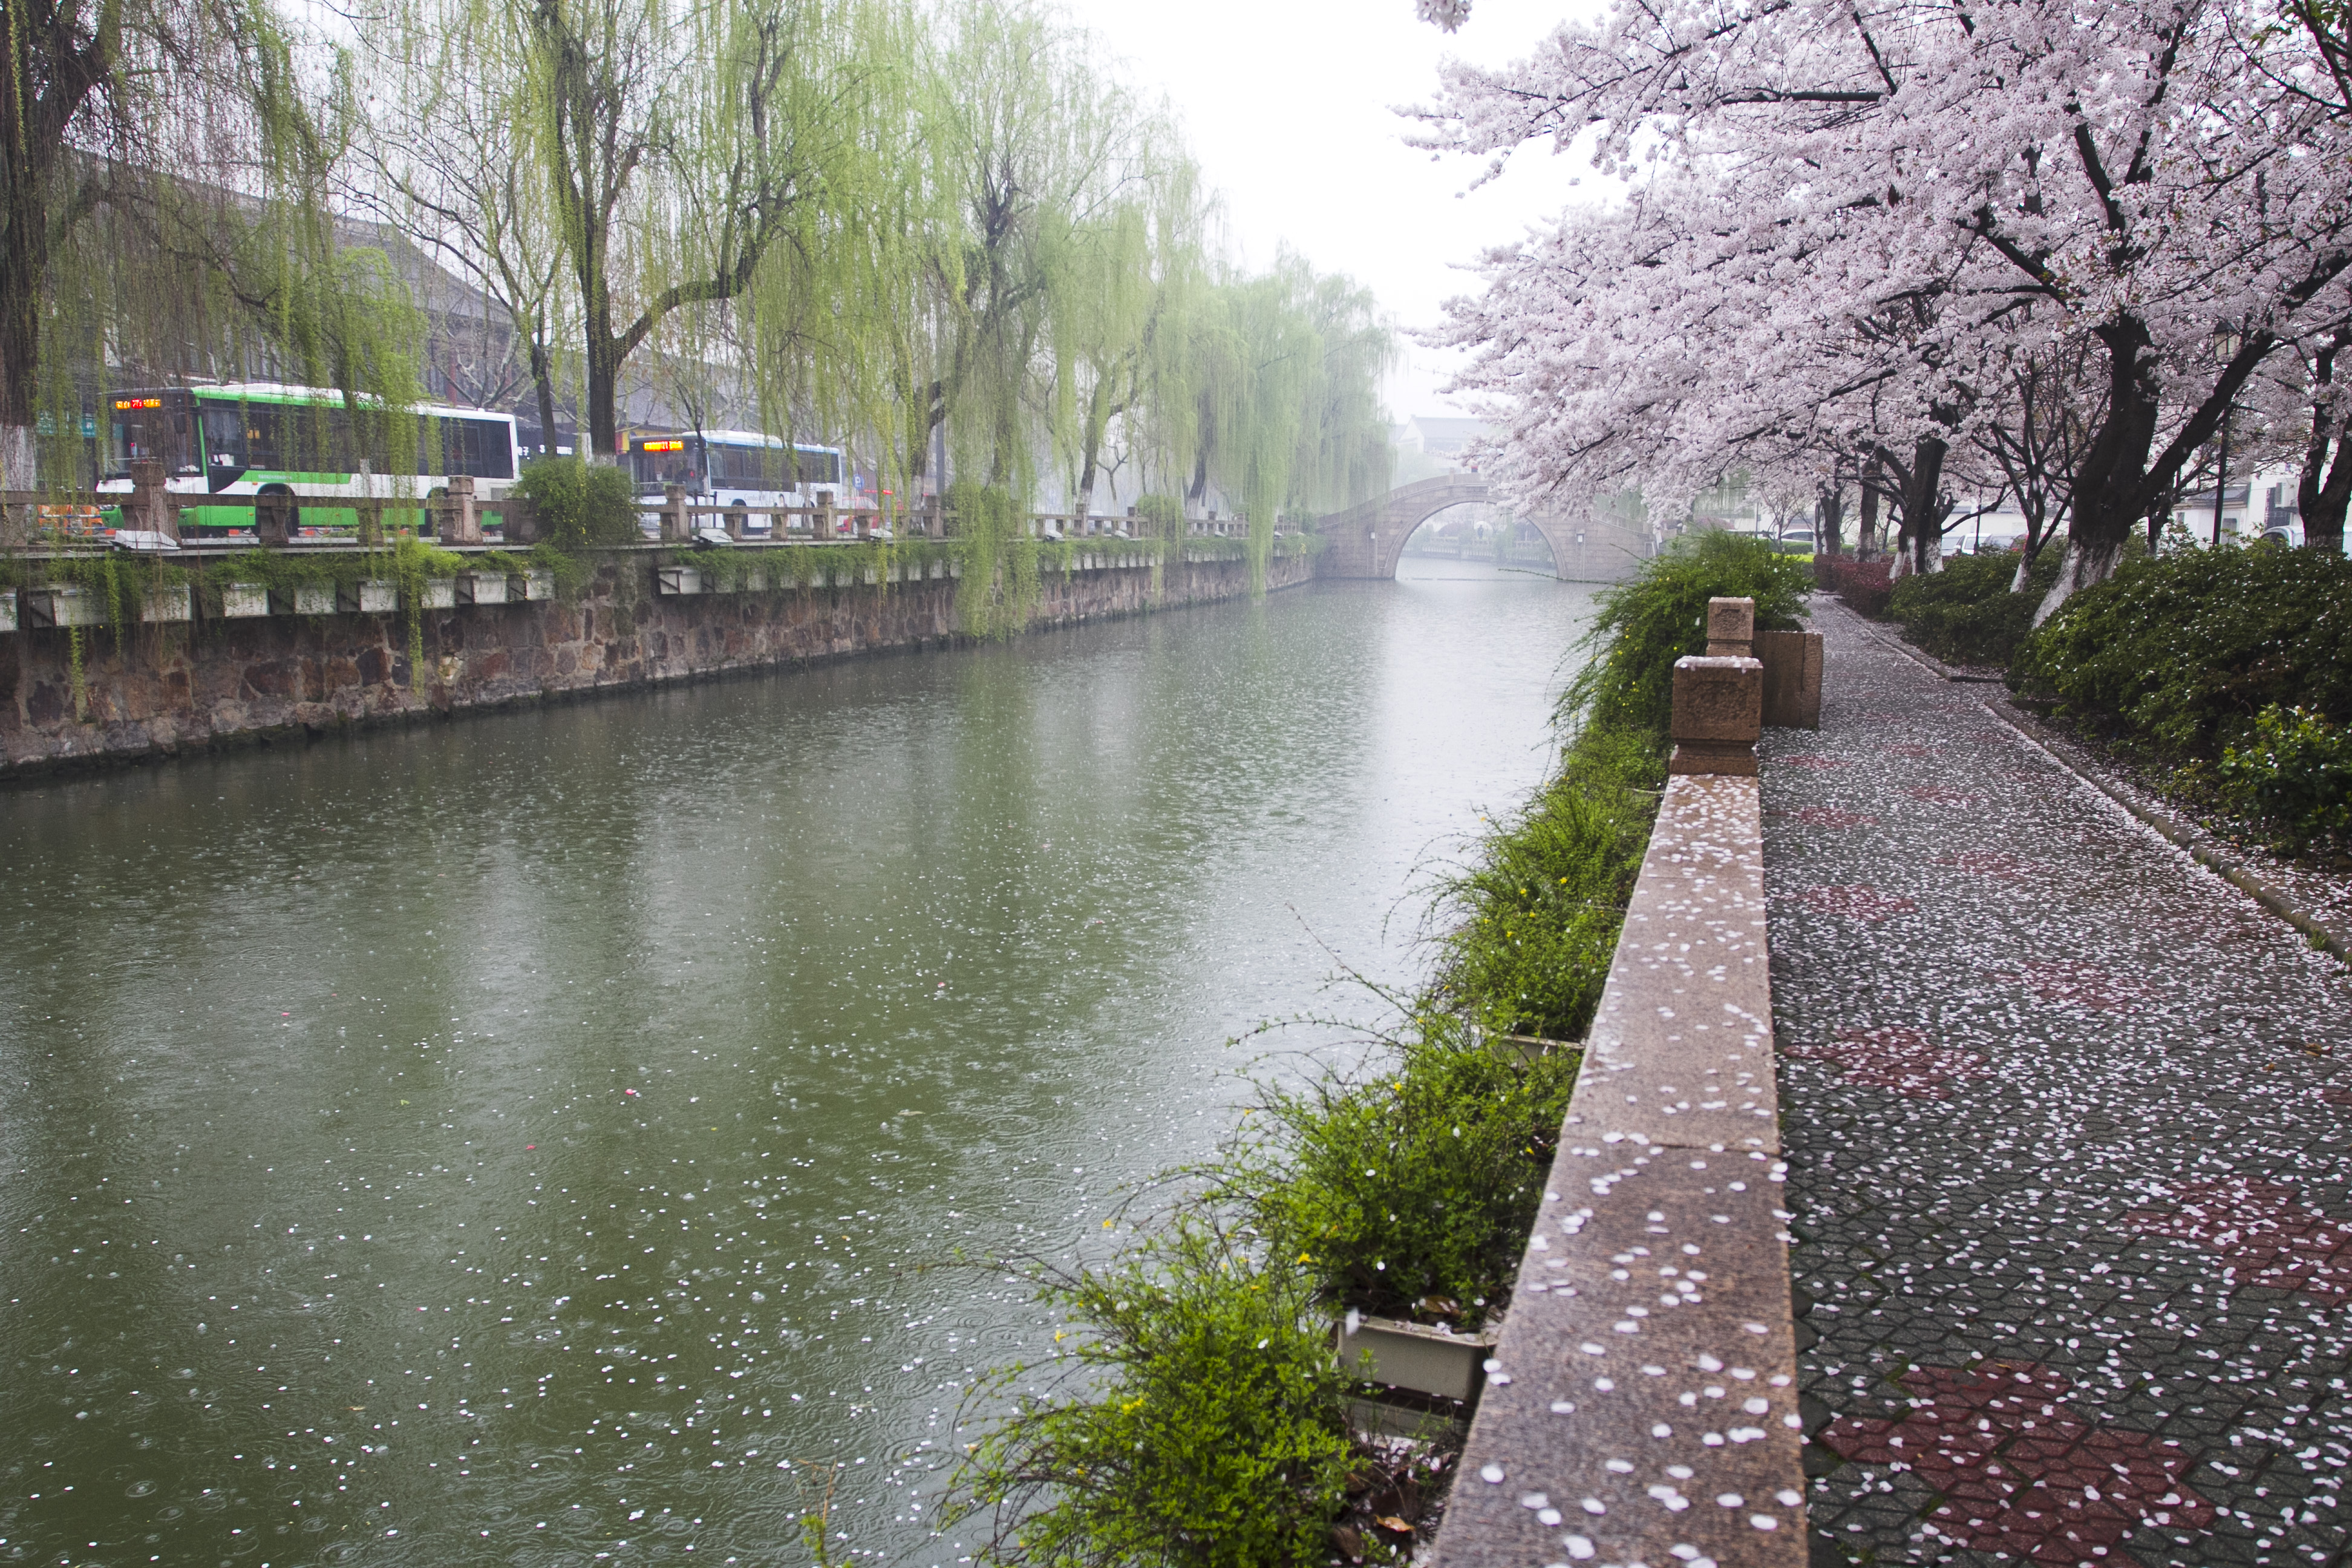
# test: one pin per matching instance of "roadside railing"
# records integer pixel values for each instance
(459, 514)
(1641, 1403)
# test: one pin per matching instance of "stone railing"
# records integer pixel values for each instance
(1641, 1405)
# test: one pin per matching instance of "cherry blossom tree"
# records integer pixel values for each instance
(1845, 222)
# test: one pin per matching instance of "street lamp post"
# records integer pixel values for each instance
(2225, 345)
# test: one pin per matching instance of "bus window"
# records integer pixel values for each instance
(490, 448)
(481, 447)
(223, 431)
(738, 464)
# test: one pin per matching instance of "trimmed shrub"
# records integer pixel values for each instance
(2185, 651)
(1159, 516)
(1966, 613)
(581, 505)
(2294, 771)
(1865, 585)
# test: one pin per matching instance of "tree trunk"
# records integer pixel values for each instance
(2110, 494)
(542, 380)
(1870, 480)
(2324, 489)
(1829, 520)
(1923, 512)
(603, 375)
(19, 470)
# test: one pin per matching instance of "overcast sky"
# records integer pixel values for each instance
(1288, 105)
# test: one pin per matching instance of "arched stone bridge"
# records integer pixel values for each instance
(1367, 537)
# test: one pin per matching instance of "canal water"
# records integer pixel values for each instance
(551, 1138)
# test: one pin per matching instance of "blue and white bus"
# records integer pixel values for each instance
(736, 467)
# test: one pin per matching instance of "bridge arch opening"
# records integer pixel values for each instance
(1477, 532)
(1369, 539)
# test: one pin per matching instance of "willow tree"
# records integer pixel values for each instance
(691, 149)
(164, 174)
(1141, 269)
(1040, 166)
(1282, 371)
(451, 164)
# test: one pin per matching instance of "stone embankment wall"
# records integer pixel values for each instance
(168, 688)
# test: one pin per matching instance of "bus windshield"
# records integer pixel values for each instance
(658, 460)
(149, 424)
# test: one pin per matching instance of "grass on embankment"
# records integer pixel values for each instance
(1191, 1413)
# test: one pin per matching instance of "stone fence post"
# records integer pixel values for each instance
(152, 508)
(1718, 715)
(674, 524)
(460, 522)
(1730, 628)
(274, 518)
(1792, 678)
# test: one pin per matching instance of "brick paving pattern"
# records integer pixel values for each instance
(2069, 1128)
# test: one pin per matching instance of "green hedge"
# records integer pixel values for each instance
(1966, 613)
(582, 506)
(2184, 651)
(2292, 772)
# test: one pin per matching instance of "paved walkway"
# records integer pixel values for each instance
(2069, 1123)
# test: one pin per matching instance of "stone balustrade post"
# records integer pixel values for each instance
(1792, 678)
(274, 518)
(1719, 714)
(152, 508)
(674, 525)
(1730, 628)
(460, 522)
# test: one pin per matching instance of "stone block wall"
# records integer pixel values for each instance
(169, 688)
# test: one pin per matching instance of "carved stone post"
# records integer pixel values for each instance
(273, 518)
(461, 519)
(1731, 627)
(1792, 678)
(152, 508)
(674, 524)
(1719, 713)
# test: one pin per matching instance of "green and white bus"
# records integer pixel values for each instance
(255, 439)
